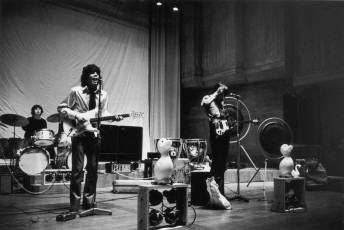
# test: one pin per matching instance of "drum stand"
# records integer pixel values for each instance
(264, 187)
(239, 147)
(96, 211)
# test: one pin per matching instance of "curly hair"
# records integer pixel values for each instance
(35, 107)
(86, 71)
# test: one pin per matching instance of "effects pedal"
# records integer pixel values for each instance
(65, 216)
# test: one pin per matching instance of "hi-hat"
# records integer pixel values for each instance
(54, 118)
(14, 120)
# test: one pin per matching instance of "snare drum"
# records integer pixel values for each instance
(44, 137)
(195, 149)
(64, 140)
(33, 160)
(64, 158)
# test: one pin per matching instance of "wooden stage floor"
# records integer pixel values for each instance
(324, 211)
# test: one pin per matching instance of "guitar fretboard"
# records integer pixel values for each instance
(107, 118)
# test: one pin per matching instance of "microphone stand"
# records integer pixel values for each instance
(94, 210)
(238, 196)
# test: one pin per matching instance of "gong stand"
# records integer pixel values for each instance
(238, 196)
(94, 210)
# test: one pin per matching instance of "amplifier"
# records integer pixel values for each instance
(57, 176)
(110, 167)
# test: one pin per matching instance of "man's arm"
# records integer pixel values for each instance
(64, 107)
(210, 98)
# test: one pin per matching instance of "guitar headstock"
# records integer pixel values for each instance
(137, 114)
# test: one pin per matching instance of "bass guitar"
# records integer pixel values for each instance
(74, 128)
(221, 126)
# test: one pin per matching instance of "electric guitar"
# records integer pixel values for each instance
(75, 128)
(221, 126)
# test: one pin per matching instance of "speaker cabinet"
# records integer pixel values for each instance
(302, 113)
(120, 143)
(199, 193)
(291, 114)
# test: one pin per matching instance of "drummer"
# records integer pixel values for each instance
(36, 123)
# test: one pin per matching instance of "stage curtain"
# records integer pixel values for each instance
(164, 74)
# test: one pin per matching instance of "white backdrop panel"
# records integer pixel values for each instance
(43, 50)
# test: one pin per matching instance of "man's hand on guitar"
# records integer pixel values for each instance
(117, 118)
(80, 119)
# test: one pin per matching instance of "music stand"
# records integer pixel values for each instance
(95, 210)
(238, 196)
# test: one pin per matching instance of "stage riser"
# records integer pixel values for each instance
(105, 180)
(247, 174)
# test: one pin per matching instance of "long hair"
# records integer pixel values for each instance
(33, 109)
(86, 71)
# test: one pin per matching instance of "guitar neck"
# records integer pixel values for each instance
(254, 121)
(107, 118)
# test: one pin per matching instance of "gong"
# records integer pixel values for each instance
(271, 134)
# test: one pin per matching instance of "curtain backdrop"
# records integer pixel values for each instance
(44, 47)
(164, 73)
(46, 43)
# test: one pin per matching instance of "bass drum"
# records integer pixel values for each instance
(64, 158)
(33, 160)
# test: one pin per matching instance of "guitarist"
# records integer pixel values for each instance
(81, 103)
(213, 106)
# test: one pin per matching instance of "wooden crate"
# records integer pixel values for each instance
(143, 205)
(283, 201)
(129, 186)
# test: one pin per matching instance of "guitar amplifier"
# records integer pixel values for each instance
(120, 143)
(110, 167)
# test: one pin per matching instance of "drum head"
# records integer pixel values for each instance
(195, 149)
(44, 137)
(33, 160)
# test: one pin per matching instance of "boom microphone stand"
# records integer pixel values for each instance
(97, 211)
(238, 196)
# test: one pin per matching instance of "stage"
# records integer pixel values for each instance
(324, 210)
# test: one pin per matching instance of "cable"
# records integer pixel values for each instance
(21, 186)
(194, 216)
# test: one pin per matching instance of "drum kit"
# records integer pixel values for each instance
(35, 158)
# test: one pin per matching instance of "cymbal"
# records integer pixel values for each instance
(14, 120)
(54, 118)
